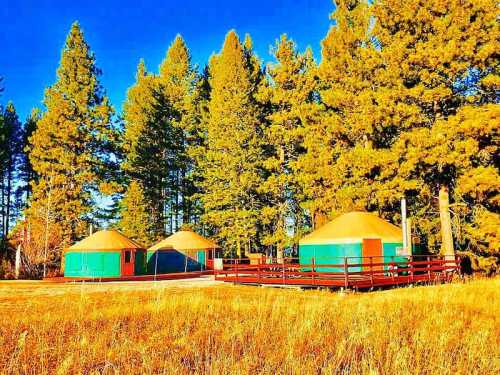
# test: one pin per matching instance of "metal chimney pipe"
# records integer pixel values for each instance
(403, 223)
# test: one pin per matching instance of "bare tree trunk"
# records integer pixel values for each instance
(444, 214)
(9, 203)
(47, 219)
(164, 206)
(170, 199)
(176, 201)
(186, 204)
(2, 204)
(18, 261)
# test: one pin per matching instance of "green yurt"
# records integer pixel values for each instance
(357, 235)
(107, 253)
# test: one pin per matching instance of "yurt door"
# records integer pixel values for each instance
(128, 260)
(210, 260)
(372, 250)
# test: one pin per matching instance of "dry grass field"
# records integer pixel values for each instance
(147, 328)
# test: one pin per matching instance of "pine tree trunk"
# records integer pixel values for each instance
(9, 203)
(186, 204)
(17, 267)
(444, 215)
(46, 242)
(2, 204)
(177, 200)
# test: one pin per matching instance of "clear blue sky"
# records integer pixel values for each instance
(120, 32)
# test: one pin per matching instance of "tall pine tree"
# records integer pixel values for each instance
(292, 105)
(12, 132)
(70, 148)
(27, 175)
(145, 145)
(339, 168)
(232, 164)
(443, 57)
(177, 81)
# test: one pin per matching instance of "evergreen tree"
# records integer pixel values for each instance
(177, 84)
(134, 218)
(444, 61)
(147, 144)
(338, 171)
(290, 95)
(196, 148)
(232, 164)
(26, 173)
(4, 162)
(70, 149)
(3, 152)
(390, 74)
(11, 145)
(160, 117)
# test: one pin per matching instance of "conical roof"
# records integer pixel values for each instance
(184, 240)
(105, 240)
(354, 227)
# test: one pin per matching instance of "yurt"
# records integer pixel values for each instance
(107, 253)
(354, 235)
(183, 251)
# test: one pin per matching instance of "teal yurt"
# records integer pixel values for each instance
(107, 253)
(183, 251)
(360, 236)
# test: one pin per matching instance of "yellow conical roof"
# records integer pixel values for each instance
(105, 240)
(184, 240)
(353, 227)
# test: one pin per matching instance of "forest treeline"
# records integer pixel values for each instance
(404, 102)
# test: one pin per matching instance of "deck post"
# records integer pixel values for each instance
(236, 268)
(371, 270)
(411, 275)
(156, 263)
(258, 270)
(313, 262)
(428, 268)
(346, 273)
(393, 269)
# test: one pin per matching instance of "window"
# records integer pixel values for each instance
(127, 256)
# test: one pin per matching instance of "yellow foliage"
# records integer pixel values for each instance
(68, 149)
(231, 163)
(135, 221)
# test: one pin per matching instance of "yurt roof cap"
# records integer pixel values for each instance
(184, 240)
(105, 240)
(353, 227)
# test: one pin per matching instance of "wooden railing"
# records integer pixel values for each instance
(357, 272)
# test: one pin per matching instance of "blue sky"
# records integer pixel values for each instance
(120, 32)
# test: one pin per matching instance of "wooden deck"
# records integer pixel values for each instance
(368, 273)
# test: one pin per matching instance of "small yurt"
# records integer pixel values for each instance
(107, 253)
(354, 235)
(183, 251)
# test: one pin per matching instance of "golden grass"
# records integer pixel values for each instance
(447, 329)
